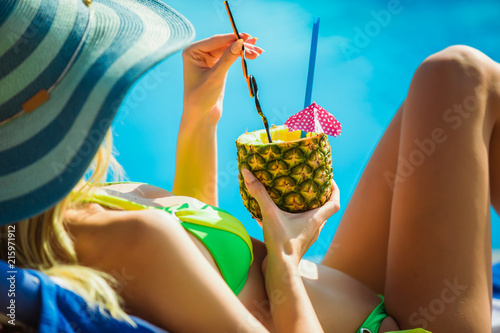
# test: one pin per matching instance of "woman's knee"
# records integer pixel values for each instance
(453, 83)
(457, 65)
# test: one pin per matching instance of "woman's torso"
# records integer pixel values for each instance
(341, 302)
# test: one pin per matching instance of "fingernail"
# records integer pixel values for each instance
(237, 47)
(260, 49)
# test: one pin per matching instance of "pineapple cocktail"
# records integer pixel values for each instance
(296, 172)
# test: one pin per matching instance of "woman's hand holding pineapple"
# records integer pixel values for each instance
(287, 237)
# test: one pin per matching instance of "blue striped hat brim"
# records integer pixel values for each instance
(46, 12)
(43, 154)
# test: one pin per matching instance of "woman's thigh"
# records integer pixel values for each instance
(359, 247)
(422, 235)
(439, 255)
(253, 295)
(341, 303)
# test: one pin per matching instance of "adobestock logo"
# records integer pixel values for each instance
(437, 306)
(372, 29)
(453, 118)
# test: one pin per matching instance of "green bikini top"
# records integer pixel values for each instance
(224, 236)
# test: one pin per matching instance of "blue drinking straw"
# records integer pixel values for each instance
(312, 63)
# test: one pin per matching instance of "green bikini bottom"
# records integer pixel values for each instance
(222, 234)
(374, 320)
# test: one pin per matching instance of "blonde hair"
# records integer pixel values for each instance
(44, 243)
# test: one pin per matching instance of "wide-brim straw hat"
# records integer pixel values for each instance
(65, 67)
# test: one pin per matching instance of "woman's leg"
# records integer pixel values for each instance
(341, 303)
(495, 163)
(359, 247)
(445, 142)
(439, 252)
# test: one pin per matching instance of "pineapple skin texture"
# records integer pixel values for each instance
(296, 174)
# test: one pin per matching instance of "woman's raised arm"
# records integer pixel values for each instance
(205, 67)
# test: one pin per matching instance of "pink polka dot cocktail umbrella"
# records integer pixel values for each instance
(314, 119)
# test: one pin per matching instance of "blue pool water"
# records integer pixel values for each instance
(367, 53)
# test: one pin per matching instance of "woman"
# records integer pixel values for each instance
(437, 213)
(172, 280)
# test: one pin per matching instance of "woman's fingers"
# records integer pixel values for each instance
(323, 213)
(218, 41)
(227, 59)
(258, 191)
(331, 206)
(251, 40)
(230, 54)
(219, 52)
(251, 51)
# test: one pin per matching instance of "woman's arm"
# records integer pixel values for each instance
(287, 237)
(205, 67)
(291, 307)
